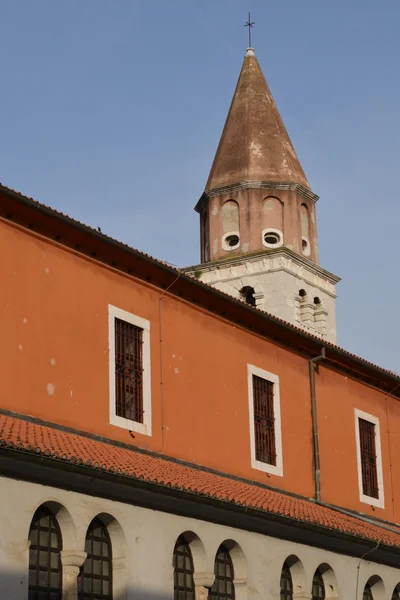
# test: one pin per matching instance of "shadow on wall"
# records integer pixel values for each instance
(14, 586)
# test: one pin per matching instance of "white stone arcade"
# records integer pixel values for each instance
(143, 542)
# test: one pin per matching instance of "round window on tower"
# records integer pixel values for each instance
(231, 240)
(272, 238)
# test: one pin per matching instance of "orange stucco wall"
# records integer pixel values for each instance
(54, 366)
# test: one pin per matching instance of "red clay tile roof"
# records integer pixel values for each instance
(18, 434)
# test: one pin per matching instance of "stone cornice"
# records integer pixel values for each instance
(226, 263)
(256, 184)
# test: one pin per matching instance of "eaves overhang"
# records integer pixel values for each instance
(40, 219)
(232, 261)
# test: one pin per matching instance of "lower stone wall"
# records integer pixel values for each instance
(143, 542)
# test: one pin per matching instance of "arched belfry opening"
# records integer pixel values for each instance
(305, 230)
(248, 295)
(230, 226)
(272, 223)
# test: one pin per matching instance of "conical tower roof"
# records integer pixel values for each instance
(254, 145)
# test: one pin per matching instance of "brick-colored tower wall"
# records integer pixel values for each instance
(254, 218)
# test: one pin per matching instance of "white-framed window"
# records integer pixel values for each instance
(272, 238)
(231, 240)
(129, 371)
(369, 459)
(265, 421)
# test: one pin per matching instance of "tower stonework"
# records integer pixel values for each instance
(257, 215)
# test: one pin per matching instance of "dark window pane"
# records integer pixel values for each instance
(106, 586)
(94, 579)
(44, 557)
(264, 420)
(368, 458)
(129, 371)
(87, 584)
(44, 538)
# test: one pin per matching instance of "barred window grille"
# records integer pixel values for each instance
(45, 581)
(318, 587)
(223, 587)
(129, 371)
(95, 576)
(368, 458)
(264, 420)
(183, 571)
(286, 583)
(367, 594)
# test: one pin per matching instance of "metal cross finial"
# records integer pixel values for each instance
(249, 24)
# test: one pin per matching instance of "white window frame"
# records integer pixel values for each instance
(257, 464)
(379, 502)
(145, 427)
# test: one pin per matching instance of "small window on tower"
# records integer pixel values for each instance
(129, 343)
(272, 238)
(231, 241)
(247, 294)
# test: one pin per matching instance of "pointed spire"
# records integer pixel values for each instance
(254, 145)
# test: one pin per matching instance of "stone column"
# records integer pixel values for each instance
(259, 298)
(307, 310)
(202, 582)
(71, 561)
(321, 316)
(119, 578)
(301, 596)
(240, 589)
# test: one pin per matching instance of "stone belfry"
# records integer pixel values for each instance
(257, 215)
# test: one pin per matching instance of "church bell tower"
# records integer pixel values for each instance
(257, 215)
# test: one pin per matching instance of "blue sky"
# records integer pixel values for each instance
(111, 111)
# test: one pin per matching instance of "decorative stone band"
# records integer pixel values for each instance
(283, 251)
(256, 184)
